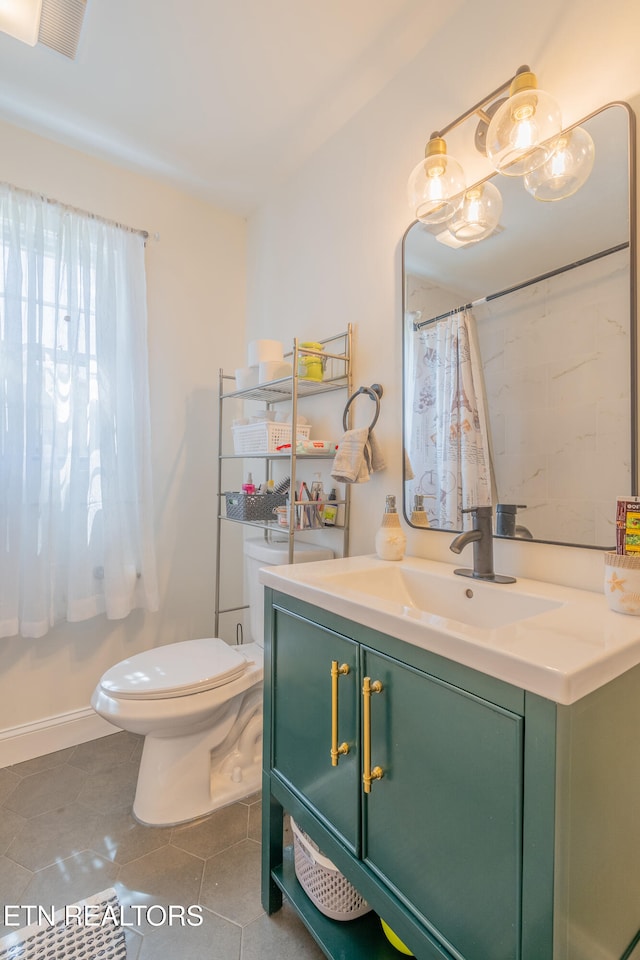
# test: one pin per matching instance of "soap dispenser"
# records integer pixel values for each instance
(390, 539)
(419, 517)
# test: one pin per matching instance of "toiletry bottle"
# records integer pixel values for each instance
(249, 486)
(418, 516)
(330, 511)
(390, 539)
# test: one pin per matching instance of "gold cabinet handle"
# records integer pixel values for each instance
(337, 751)
(377, 773)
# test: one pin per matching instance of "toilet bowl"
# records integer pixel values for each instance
(198, 705)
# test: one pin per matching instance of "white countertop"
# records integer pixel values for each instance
(562, 654)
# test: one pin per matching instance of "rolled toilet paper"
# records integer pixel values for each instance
(273, 370)
(246, 378)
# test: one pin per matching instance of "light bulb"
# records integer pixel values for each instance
(436, 184)
(566, 170)
(21, 19)
(478, 214)
(519, 131)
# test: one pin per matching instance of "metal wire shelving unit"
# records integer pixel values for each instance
(336, 355)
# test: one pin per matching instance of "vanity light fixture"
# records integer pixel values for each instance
(21, 19)
(565, 171)
(521, 134)
(436, 183)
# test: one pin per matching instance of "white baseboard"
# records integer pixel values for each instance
(31, 740)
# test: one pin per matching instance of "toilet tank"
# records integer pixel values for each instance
(260, 553)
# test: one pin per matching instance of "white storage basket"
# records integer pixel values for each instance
(323, 883)
(265, 437)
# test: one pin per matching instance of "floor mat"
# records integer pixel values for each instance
(83, 930)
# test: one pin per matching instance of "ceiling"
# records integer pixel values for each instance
(222, 99)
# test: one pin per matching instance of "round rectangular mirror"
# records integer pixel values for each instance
(519, 357)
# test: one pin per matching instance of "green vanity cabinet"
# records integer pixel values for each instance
(439, 846)
(302, 658)
(445, 820)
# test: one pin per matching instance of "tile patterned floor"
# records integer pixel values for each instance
(66, 832)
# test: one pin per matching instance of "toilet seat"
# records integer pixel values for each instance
(176, 670)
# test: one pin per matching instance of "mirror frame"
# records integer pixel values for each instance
(633, 331)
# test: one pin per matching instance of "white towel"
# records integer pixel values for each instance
(372, 450)
(408, 469)
(358, 455)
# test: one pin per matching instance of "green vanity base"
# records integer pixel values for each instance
(356, 939)
(504, 827)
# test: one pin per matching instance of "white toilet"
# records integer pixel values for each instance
(198, 705)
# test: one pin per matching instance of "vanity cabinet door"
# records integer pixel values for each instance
(443, 826)
(302, 657)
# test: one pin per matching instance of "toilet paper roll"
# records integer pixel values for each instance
(273, 370)
(246, 378)
(264, 351)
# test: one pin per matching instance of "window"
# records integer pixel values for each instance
(76, 523)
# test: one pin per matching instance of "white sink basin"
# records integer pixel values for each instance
(554, 641)
(474, 602)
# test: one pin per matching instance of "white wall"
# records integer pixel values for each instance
(325, 248)
(196, 305)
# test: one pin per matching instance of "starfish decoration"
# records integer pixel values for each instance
(616, 583)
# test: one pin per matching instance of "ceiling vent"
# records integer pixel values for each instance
(60, 25)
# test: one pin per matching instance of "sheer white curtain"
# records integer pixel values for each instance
(76, 524)
(448, 438)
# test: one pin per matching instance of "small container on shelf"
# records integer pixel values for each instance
(265, 437)
(310, 367)
(249, 486)
(330, 511)
(252, 506)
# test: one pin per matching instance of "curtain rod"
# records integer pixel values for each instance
(84, 213)
(520, 286)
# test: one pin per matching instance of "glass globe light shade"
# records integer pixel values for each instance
(436, 184)
(566, 170)
(478, 214)
(519, 131)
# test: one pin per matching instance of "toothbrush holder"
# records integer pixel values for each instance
(622, 582)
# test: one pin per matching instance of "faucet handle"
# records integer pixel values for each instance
(479, 511)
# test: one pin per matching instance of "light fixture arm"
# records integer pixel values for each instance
(478, 107)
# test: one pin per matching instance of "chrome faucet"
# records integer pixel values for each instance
(482, 538)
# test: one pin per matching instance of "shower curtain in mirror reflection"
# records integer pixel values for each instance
(449, 447)
(76, 535)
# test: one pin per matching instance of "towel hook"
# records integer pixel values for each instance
(375, 392)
